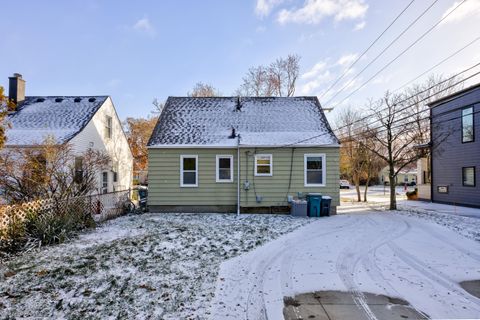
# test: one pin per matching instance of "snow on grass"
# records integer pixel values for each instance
(153, 265)
(466, 226)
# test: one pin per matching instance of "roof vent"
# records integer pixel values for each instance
(233, 135)
(58, 99)
(91, 100)
(239, 104)
(77, 99)
(40, 99)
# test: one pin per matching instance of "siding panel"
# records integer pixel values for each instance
(451, 155)
(164, 177)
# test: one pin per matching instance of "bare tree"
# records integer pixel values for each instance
(353, 153)
(277, 79)
(6, 105)
(49, 171)
(203, 90)
(256, 83)
(158, 107)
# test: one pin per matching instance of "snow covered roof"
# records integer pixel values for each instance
(260, 121)
(59, 117)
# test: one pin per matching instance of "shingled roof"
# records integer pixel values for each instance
(260, 121)
(60, 117)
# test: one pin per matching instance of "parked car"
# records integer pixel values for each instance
(344, 184)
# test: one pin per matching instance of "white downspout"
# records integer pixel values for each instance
(238, 175)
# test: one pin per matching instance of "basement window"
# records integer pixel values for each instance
(224, 168)
(263, 165)
(468, 176)
(188, 171)
(314, 170)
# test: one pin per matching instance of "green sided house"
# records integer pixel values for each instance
(230, 154)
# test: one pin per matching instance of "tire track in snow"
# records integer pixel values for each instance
(374, 271)
(433, 274)
(350, 257)
(256, 298)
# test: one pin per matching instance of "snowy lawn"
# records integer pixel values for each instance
(148, 266)
(396, 255)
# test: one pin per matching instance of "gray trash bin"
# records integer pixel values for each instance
(299, 208)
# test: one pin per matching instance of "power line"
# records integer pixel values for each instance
(371, 115)
(429, 88)
(399, 55)
(439, 63)
(366, 50)
(383, 51)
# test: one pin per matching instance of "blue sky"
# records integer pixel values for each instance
(136, 51)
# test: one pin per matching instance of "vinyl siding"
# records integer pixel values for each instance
(116, 147)
(164, 177)
(451, 155)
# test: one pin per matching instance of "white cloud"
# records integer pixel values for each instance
(317, 68)
(360, 26)
(313, 11)
(264, 7)
(310, 86)
(468, 9)
(347, 59)
(144, 25)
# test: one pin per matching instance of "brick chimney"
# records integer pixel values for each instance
(16, 88)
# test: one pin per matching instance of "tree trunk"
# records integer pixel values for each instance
(393, 195)
(366, 190)
(357, 187)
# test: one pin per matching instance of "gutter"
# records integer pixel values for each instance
(238, 175)
(199, 146)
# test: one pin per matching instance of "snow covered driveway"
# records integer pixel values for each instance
(382, 253)
(152, 266)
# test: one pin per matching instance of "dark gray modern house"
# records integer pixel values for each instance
(455, 145)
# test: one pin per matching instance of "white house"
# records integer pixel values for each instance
(82, 121)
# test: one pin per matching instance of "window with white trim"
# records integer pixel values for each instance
(104, 182)
(224, 168)
(189, 171)
(315, 170)
(263, 165)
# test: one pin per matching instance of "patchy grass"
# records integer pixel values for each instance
(148, 266)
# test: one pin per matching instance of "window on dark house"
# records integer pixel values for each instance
(468, 134)
(468, 176)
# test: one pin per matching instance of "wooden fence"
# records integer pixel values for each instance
(101, 206)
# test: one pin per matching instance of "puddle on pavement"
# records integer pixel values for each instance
(472, 287)
(340, 305)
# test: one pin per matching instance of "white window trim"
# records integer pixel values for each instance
(217, 167)
(324, 169)
(188, 156)
(271, 166)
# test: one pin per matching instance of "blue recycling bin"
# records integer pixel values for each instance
(314, 201)
(326, 204)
